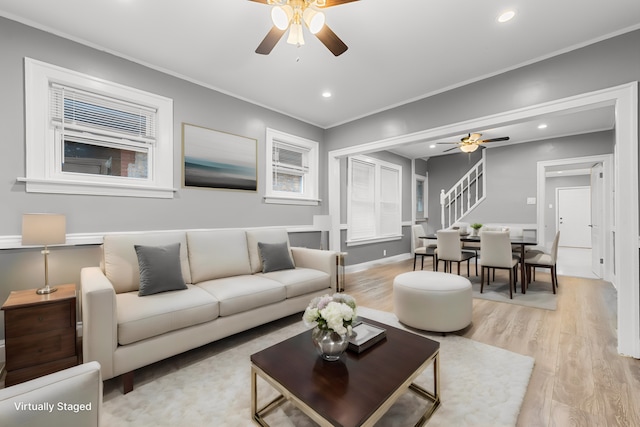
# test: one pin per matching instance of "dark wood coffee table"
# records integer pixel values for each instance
(357, 390)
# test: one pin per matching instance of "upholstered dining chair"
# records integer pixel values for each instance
(421, 248)
(449, 250)
(542, 259)
(495, 251)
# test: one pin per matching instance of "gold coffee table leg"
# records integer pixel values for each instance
(434, 397)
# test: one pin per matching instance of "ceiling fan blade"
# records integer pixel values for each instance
(504, 138)
(329, 3)
(454, 148)
(448, 143)
(270, 40)
(474, 136)
(261, 1)
(331, 41)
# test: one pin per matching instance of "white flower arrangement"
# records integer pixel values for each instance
(331, 312)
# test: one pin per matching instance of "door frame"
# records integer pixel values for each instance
(624, 98)
(608, 220)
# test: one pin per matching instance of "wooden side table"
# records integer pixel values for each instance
(40, 333)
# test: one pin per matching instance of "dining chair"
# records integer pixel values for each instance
(495, 251)
(542, 259)
(449, 250)
(421, 248)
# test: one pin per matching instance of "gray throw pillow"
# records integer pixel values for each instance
(275, 256)
(160, 269)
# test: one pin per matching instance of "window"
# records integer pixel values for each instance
(374, 211)
(422, 197)
(88, 136)
(292, 169)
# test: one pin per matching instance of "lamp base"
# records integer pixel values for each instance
(46, 290)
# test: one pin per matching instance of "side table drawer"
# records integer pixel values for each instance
(39, 348)
(47, 317)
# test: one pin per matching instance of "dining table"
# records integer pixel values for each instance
(521, 241)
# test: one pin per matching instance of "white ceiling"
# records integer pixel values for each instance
(398, 50)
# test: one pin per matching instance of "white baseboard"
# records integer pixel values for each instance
(381, 261)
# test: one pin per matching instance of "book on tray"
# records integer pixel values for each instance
(365, 335)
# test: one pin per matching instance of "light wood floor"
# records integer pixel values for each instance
(578, 378)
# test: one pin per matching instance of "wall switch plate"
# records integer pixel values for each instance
(531, 200)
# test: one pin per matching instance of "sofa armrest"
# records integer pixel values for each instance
(73, 397)
(318, 260)
(99, 319)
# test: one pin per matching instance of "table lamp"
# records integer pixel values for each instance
(44, 230)
(322, 223)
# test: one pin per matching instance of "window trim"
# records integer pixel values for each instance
(41, 153)
(310, 197)
(379, 164)
(425, 196)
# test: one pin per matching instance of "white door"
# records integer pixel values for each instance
(597, 228)
(574, 217)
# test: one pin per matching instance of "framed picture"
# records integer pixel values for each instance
(214, 159)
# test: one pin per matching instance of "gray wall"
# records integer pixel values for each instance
(191, 207)
(602, 65)
(511, 176)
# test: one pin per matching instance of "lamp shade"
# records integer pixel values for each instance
(322, 222)
(469, 148)
(43, 229)
(281, 16)
(295, 34)
(314, 19)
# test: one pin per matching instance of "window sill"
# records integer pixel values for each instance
(291, 201)
(373, 240)
(93, 188)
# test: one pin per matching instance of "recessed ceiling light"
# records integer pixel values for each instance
(432, 146)
(506, 16)
(326, 94)
(542, 126)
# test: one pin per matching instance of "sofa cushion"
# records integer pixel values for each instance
(120, 262)
(145, 317)
(159, 269)
(217, 253)
(275, 256)
(265, 235)
(300, 281)
(243, 293)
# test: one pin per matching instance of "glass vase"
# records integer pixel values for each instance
(329, 344)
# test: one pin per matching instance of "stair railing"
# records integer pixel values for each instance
(464, 196)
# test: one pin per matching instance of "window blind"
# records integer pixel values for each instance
(363, 203)
(83, 111)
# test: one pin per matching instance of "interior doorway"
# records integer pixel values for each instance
(623, 190)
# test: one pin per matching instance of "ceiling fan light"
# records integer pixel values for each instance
(469, 148)
(295, 35)
(314, 19)
(281, 16)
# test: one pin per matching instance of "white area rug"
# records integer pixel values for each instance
(539, 293)
(481, 385)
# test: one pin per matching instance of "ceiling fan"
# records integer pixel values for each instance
(471, 142)
(291, 15)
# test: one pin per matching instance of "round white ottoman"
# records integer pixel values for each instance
(432, 301)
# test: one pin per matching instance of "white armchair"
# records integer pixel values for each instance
(67, 398)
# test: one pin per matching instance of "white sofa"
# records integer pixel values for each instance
(227, 293)
(71, 397)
